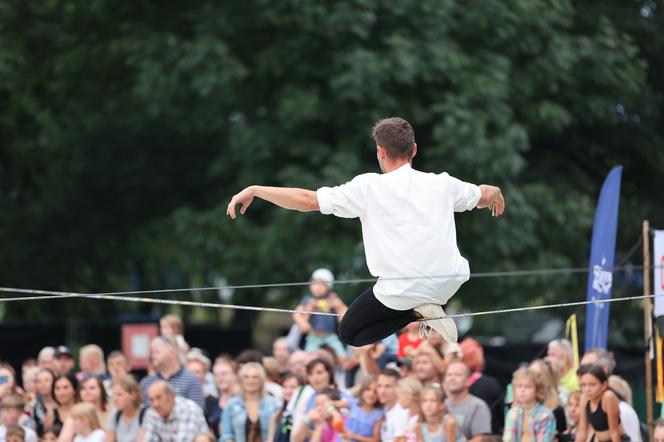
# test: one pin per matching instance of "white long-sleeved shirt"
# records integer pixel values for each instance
(408, 230)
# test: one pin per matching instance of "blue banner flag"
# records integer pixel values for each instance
(602, 251)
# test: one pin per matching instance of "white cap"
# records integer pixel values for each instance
(323, 275)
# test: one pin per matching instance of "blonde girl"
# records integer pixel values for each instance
(408, 395)
(86, 423)
(436, 425)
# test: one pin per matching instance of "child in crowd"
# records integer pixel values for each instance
(364, 419)
(326, 420)
(658, 435)
(15, 434)
(86, 423)
(409, 340)
(205, 437)
(171, 326)
(529, 419)
(11, 412)
(436, 425)
(52, 434)
(321, 329)
(408, 395)
(573, 402)
(600, 411)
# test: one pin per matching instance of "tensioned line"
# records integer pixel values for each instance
(496, 274)
(281, 310)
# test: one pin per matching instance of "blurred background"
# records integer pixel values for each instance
(125, 128)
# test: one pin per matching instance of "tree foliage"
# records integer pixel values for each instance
(126, 127)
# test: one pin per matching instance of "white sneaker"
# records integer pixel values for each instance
(442, 324)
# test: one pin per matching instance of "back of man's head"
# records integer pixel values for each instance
(396, 136)
(601, 357)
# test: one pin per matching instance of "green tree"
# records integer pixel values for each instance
(129, 126)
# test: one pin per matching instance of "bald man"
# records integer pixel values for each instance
(171, 417)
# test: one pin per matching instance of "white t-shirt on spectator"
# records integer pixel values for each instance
(395, 423)
(408, 230)
(95, 436)
(630, 421)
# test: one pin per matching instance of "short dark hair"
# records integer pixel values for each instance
(331, 392)
(116, 354)
(390, 373)
(249, 356)
(396, 136)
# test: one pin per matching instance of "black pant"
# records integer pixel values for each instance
(368, 320)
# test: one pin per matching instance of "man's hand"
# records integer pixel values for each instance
(491, 197)
(245, 197)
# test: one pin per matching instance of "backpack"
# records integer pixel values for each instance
(141, 414)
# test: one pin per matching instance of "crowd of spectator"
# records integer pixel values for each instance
(312, 388)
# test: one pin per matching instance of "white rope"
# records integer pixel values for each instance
(111, 297)
(496, 274)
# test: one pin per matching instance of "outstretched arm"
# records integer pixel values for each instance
(491, 196)
(290, 198)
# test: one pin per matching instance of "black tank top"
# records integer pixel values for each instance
(598, 419)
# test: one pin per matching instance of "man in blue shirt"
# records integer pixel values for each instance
(166, 361)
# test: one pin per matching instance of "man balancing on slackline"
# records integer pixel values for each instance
(408, 231)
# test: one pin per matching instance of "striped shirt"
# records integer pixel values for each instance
(184, 383)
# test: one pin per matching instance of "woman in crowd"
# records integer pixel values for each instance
(436, 425)
(65, 394)
(552, 399)
(364, 419)
(529, 419)
(442, 352)
(628, 417)
(320, 376)
(85, 424)
(560, 354)
(408, 395)
(45, 402)
(225, 378)
(247, 417)
(124, 424)
(283, 421)
(573, 415)
(600, 412)
(92, 391)
(8, 384)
